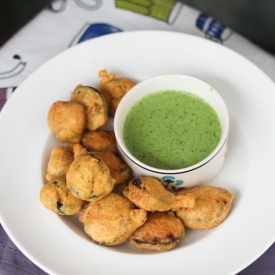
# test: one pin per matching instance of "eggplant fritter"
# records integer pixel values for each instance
(119, 170)
(56, 197)
(113, 89)
(60, 160)
(148, 193)
(78, 149)
(100, 140)
(112, 220)
(89, 178)
(93, 101)
(161, 232)
(67, 121)
(212, 205)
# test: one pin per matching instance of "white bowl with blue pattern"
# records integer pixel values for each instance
(191, 176)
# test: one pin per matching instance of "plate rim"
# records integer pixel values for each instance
(8, 104)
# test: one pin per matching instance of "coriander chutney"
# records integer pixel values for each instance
(171, 129)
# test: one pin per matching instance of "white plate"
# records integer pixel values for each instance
(58, 244)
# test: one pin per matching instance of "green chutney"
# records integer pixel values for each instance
(171, 129)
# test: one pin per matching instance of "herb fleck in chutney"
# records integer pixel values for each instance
(171, 129)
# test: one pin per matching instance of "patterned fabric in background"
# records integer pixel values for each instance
(66, 23)
(74, 21)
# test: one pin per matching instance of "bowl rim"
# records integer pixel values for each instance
(175, 171)
(203, 162)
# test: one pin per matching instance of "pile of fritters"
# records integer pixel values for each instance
(86, 176)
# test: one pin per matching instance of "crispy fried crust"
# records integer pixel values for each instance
(89, 178)
(67, 121)
(119, 170)
(161, 232)
(60, 160)
(112, 220)
(212, 205)
(78, 149)
(96, 111)
(56, 197)
(148, 193)
(113, 89)
(100, 140)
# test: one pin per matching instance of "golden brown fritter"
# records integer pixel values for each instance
(112, 220)
(100, 140)
(56, 197)
(78, 149)
(96, 111)
(119, 170)
(148, 193)
(60, 160)
(67, 121)
(211, 207)
(89, 178)
(113, 89)
(161, 232)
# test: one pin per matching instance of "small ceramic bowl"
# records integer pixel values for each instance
(196, 174)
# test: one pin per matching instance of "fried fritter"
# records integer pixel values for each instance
(67, 121)
(113, 89)
(96, 111)
(56, 197)
(78, 149)
(112, 220)
(161, 232)
(148, 193)
(119, 170)
(89, 178)
(100, 140)
(59, 162)
(211, 207)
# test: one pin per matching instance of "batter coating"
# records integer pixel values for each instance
(56, 197)
(89, 178)
(92, 100)
(60, 160)
(78, 149)
(119, 170)
(211, 208)
(100, 140)
(161, 232)
(113, 89)
(148, 193)
(67, 121)
(112, 220)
